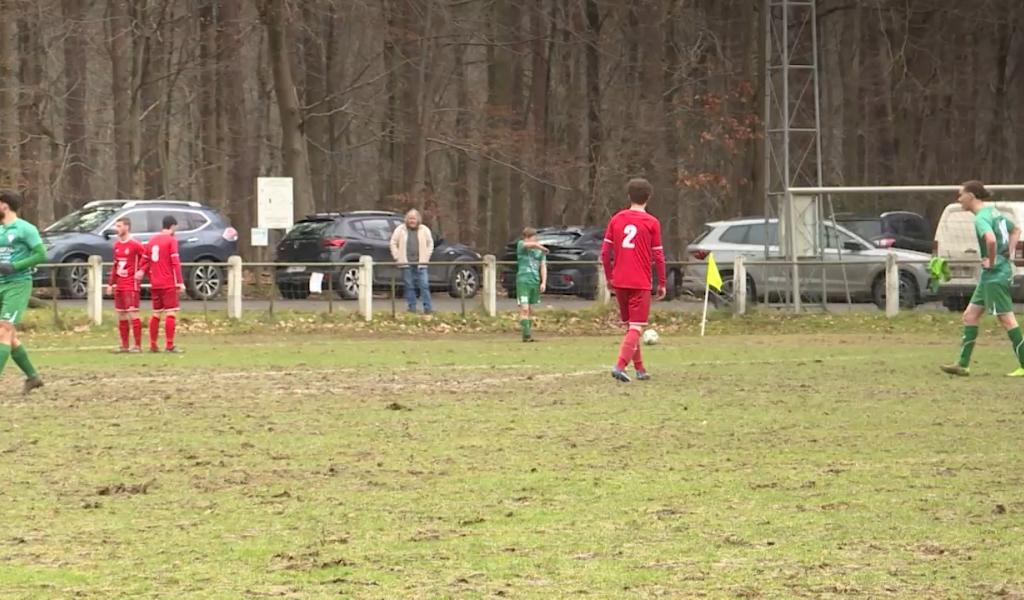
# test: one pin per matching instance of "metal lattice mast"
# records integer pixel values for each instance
(792, 120)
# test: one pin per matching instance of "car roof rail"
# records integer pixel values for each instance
(363, 213)
(189, 203)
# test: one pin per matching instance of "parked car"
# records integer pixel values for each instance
(955, 240)
(345, 237)
(204, 235)
(853, 263)
(575, 244)
(897, 229)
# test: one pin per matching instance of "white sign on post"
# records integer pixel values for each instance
(260, 236)
(274, 202)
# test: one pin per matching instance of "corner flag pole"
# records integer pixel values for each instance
(704, 319)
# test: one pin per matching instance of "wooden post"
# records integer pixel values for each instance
(490, 285)
(366, 287)
(892, 286)
(739, 286)
(94, 290)
(235, 278)
(604, 293)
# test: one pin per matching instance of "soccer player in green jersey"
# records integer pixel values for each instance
(21, 248)
(531, 278)
(997, 237)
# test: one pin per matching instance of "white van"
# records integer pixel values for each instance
(955, 240)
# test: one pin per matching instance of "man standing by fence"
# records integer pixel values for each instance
(997, 238)
(21, 249)
(412, 244)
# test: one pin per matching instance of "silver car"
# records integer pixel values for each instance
(850, 263)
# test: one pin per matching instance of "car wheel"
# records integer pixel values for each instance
(348, 283)
(294, 292)
(463, 281)
(908, 291)
(956, 304)
(204, 281)
(74, 279)
(728, 290)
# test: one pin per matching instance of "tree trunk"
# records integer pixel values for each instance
(119, 38)
(8, 94)
(540, 86)
(239, 137)
(77, 189)
(39, 200)
(595, 133)
(293, 142)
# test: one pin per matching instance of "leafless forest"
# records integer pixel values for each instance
(488, 114)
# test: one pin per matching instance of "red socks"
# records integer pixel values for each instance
(137, 330)
(630, 346)
(154, 331)
(169, 326)
(122, 327)
(638, 361)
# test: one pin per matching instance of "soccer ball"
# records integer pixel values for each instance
(649, 337)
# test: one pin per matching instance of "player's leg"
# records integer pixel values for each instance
(121, 302)
(640, 310)
(157, 298)
(136, 324)
(1001, 302)
(15, 303)
(627, 310)
(971, 318)
(524, 311)
(409, 279)
(423, 274)
(171, 305)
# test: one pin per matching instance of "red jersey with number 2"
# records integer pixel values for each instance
(127, 259)
(162, 263)
(632, 243)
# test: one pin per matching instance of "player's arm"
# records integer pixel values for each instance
(179, 280)
(659, 260)
(144, 262)
(536, 246)
(37, 257)
(543, 274)
(1014, 240)
(990, 251)
(606, 253)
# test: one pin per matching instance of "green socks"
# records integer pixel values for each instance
(526, 325)
(1017, 339)
(5, 353)
(20, 357)
(967, 344)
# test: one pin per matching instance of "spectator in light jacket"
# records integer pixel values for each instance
(412, 244)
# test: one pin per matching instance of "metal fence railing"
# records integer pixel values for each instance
(889, 282)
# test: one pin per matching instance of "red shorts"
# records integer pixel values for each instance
(126, 300)
(634, 306)
(166, 299)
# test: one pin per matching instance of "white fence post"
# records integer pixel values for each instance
(366, 287)
(604, 293)
(892, 286)
(94, 290)
(235, 276)
(490, 285)
(739, 286)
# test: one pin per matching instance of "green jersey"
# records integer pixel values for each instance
(990, 220)
(528, 261)
(18, 242)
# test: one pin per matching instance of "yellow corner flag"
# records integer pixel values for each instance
(714, 277)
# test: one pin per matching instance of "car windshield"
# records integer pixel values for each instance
(558, 239)
(83, 221)
(305, 229)
(866, 228)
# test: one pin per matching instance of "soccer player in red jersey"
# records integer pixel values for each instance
(631, 243)
(128, 253)
(163, 265)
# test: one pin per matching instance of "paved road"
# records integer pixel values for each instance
(444, 303)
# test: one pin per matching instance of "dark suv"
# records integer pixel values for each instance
(897, 229)
(575, 244)
(204, 235)
(345, 237)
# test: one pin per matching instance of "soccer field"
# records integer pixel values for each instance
(472, 466)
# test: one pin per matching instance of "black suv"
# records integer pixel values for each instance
(897, 229)
(575, 244)
(204, 235)
(345, 237)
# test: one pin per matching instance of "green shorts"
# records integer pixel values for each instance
(14, 297)
(527, 293)
(994, 296)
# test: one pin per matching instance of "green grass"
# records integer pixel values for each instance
(285, 463)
